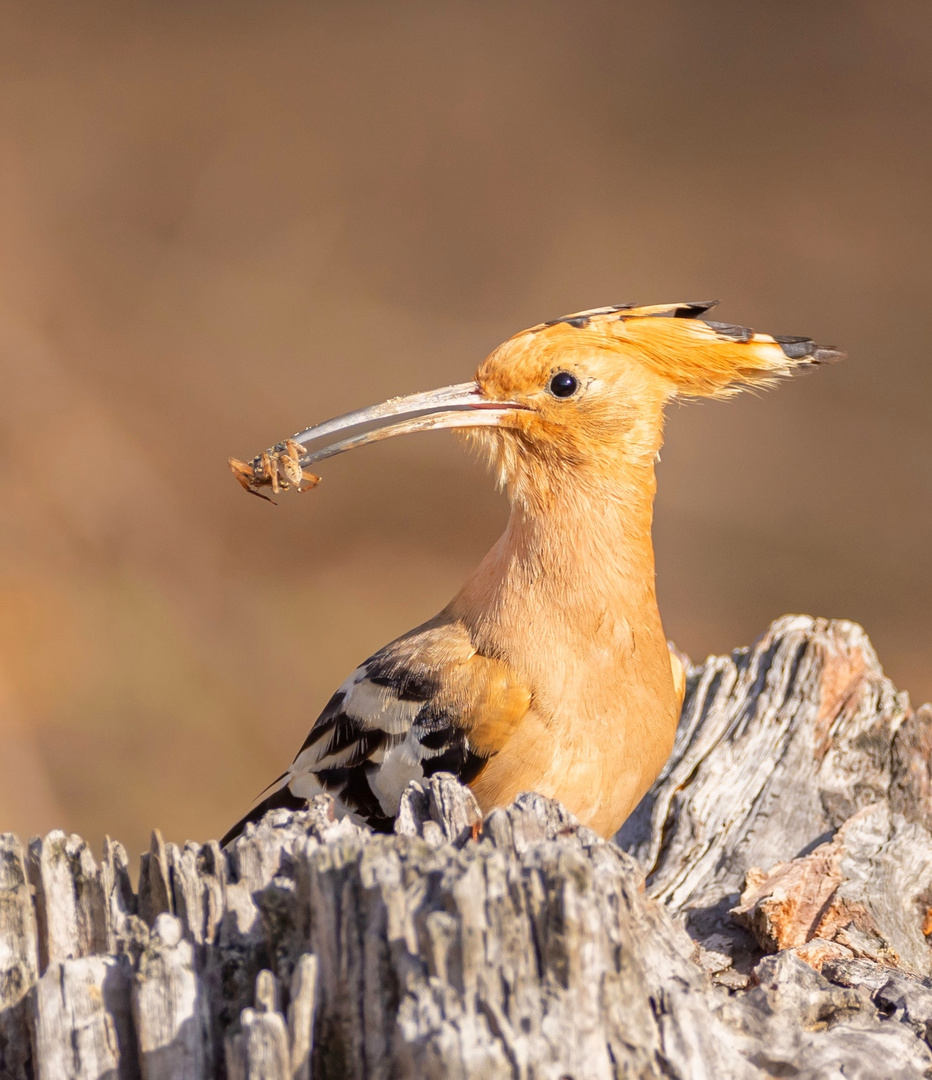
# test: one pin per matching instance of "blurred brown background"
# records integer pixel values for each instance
(224, 221)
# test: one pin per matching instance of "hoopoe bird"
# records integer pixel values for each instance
(549, 671)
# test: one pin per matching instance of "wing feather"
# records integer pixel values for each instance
(426, 703)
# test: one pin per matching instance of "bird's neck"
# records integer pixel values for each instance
(566, 600)
(575, 569)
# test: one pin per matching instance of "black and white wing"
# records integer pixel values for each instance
(426, 703)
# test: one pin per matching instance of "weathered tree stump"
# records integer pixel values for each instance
(763, 913)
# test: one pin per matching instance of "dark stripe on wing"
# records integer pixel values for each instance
(351, 787)
(406, 684)
(325, 723)
(348, 734)
(438, 739)
(457, 759)
(447, 745)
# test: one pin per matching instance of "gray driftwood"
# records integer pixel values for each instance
(764, 913)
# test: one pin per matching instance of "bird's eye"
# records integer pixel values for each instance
(563, 384)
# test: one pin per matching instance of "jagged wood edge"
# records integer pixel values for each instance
(205, 924)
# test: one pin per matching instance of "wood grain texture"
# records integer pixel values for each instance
(19, 959)
(769, 916)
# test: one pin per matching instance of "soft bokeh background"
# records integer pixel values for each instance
(222, 221)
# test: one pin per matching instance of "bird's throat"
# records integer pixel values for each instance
(574, 572)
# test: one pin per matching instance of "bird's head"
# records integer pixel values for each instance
(582, 395)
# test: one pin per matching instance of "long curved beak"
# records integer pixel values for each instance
(459, 406)
(283, 465)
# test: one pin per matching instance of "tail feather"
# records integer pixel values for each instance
(281, 799)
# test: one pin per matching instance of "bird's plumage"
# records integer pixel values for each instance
(428, 702)
(549, 670)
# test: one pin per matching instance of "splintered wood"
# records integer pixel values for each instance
(278, 468)
(768, 917)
